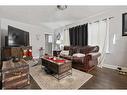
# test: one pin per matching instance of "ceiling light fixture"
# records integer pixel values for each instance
(61, 7)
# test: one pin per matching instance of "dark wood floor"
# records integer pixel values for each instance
(103, 78)
(33, 85)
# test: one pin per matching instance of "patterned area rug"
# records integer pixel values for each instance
(46, 81)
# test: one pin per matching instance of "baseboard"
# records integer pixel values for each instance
(110, 66)
(114, 67)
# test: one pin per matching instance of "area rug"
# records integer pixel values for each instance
(45, 81)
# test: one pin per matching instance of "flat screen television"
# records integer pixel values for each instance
(17, 37)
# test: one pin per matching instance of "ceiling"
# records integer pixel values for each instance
(49, 16)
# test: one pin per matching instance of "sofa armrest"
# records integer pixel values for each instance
(87, 58)
(95, 55)
(77, 59)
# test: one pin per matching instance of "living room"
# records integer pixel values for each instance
(103, 54)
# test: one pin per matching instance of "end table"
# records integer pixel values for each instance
(56, 52)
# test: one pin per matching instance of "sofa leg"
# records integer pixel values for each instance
(87, 71)
(91, 69)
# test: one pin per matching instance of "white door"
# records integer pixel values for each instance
(48, 44)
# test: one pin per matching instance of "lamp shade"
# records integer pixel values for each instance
(58, 42)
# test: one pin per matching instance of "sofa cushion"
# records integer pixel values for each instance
(64, 52)
(72, 50)
(79, 55)
(66, 57)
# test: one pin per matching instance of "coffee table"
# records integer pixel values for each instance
(60, 67)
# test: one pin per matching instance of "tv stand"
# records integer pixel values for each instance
(10, 52)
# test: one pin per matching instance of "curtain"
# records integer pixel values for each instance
(79, 35)
(66, 41)
(107, 36)
(93, 31)
(98, 34)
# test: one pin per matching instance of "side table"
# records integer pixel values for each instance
(56, 52)
(15, 74)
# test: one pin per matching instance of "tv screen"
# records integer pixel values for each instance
(17, 37)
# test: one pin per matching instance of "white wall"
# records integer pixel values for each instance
(118, 51)
(118, 55)
(34, 31)
(0, 40)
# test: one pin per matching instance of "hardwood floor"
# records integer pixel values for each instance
(33, 85)
(103, 78)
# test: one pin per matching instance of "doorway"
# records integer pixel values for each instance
(48, 44)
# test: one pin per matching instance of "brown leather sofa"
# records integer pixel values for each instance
(86, 63)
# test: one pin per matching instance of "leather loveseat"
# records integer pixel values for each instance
(86, 63)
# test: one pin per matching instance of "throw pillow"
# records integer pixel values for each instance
(30, 53)
(24, 53)
(78, 55)
(64, 52)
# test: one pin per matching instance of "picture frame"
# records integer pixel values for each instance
(124, 24)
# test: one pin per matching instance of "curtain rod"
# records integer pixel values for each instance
(108, 18)
(101, 20)
(91, 23)
(74, 26)
(80, 21)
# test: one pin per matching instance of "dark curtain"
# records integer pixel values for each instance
(79, 35)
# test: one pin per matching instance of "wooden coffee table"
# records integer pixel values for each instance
(60, 67)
